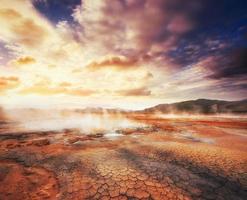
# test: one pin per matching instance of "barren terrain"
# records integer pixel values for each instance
(155, 157)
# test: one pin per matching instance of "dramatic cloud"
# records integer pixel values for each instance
(111, 52)
(230, 65)
(134, 26)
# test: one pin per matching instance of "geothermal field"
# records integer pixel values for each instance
(123, 100)
(73, 154)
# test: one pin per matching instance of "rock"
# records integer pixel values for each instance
(96, 135)
(40, 142)
(73, 140)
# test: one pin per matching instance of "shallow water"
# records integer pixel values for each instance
(85, 123)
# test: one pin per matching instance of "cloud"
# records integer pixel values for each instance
(21, 30)
(25, 60)
(180, 24)
(26, 32)
(65, 84)
(126, 49)
(80, 92)
(115, 62)
(133, 27)
(10, 14)
(230, 65)
(55, 90)
(11, 79)
(8, 83)
(134, 92)
(45, 86)
(29, 33)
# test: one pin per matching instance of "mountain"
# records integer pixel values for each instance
(201, 106)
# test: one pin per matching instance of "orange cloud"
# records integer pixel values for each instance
(9, 14)
(24, 31)
(29, 33)
(135, 92)
(65, 84)
(43, 90)
(7, 83)
(25, 60)
(80, 92)
(10, 78)
(116, 62)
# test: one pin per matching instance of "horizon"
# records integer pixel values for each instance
(84, 107)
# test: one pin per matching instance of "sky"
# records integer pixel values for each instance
(128, 54)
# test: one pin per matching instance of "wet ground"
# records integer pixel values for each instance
(168, 158)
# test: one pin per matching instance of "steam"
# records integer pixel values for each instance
(58, 120)
(197, 116)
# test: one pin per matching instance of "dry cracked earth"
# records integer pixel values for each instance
(169, 159)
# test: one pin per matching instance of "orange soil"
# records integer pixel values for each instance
(176, 159)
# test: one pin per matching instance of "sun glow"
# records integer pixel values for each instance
(113, 56)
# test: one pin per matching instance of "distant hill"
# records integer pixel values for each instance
(201, 106)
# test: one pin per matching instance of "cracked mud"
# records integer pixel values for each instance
(174, 159)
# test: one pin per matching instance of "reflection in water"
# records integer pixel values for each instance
(86, 123)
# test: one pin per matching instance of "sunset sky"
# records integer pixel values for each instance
(121, 53)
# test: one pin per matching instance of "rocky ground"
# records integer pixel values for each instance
(169, 159)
